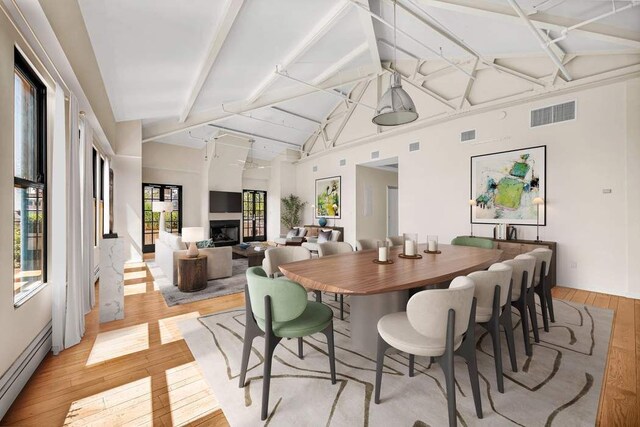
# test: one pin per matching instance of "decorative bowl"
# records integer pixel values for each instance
(244, 245)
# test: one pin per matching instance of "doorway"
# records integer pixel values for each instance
(392, 210)
(151, 220)
(254, 215)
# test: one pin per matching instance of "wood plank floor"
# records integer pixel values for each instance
(140, 371)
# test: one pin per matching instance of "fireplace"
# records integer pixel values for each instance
(225, 232)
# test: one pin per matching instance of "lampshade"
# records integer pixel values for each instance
(538, 201)
(396, 106)
(162, 206)
(472, 202)
(192, 234)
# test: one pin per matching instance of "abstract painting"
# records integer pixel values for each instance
(504, 185)
(328, 201)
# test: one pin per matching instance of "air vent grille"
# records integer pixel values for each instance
(414, 146)
(343, 162)
(553, 114)
(468, 135)
(375, 154)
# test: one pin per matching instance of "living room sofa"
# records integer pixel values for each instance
(170, 246)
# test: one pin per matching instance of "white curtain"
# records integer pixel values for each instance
(86, 154)
(58, 221)
(71, 293)
(74, 319)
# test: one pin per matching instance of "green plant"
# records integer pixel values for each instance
(291, 214)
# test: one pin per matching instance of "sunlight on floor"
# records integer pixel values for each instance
(112, 344)
(138, 288)
(188, 395)
(169, 330)
(129, 403)
(135, 275)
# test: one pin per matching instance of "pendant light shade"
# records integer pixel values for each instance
(396, 106)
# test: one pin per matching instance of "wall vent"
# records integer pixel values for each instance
(343, 162)
(315, 169)
(468, 135)
(375, 154)
(553, 114)
(414, 146)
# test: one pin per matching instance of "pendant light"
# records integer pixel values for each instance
(396, 106)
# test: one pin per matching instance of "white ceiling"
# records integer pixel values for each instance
(150, 53)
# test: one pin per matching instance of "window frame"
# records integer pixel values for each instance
(22, 66)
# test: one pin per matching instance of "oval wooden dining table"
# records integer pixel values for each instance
(379, 289)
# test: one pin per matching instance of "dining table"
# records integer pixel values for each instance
(375, 289)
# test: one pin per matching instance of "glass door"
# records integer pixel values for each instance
(173, 220)
(254, 215)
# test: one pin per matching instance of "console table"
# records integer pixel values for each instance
(511, 248)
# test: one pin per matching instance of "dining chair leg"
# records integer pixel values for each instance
(543, 306)
(446, 362)
(508, 333)
(382, 348)
(467, 350)
(549, 298)
(412, 364)
(341, 307)
(300, 351)
(318, 295)
(328, 332)
(531, 308)
(270, 344)
(251, 330)
(494, 330)
(521, 306)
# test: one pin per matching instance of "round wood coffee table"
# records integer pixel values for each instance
(192, 273)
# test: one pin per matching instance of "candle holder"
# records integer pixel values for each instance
(383, 253)
(432, 245)
(410, 246)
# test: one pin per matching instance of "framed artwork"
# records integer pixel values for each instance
(328, 197)
(504, 185)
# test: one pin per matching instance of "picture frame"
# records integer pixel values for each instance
(504, 184)
(328, 194)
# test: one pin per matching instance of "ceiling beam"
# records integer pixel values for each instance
(334, 68)
(467, 90)
(517, 74)
(300, 116)
(347, 116)
(171, 126)
(229, 15)
(540, 20)
(367, 26)
(322, 27)
(543, 43)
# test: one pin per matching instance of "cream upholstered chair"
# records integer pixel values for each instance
(522, 297)
(395, 240)
(541, 285)
(334, 248)
(438, 324)
(493, 292)
(364, 244)
(275, 257)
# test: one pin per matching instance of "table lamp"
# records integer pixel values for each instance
(472, 203)
(538, 201)
(192, 235)
(162, 207)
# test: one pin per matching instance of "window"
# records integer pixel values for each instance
(95, 201)
(29, 182)
(173, 220)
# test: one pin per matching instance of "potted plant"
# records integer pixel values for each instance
(292, 208)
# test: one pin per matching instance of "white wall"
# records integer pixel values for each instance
(127, 187)
(170, 164)
(372, 183)
(19, 325)
(597, 151)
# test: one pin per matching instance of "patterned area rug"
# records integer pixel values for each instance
(215, 288)
(559, 385)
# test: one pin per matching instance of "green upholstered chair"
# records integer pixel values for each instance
(477, 242)
(276, 309)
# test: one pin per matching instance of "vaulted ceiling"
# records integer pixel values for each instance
(289, 73)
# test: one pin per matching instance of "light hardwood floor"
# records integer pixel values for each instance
(140, 371)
